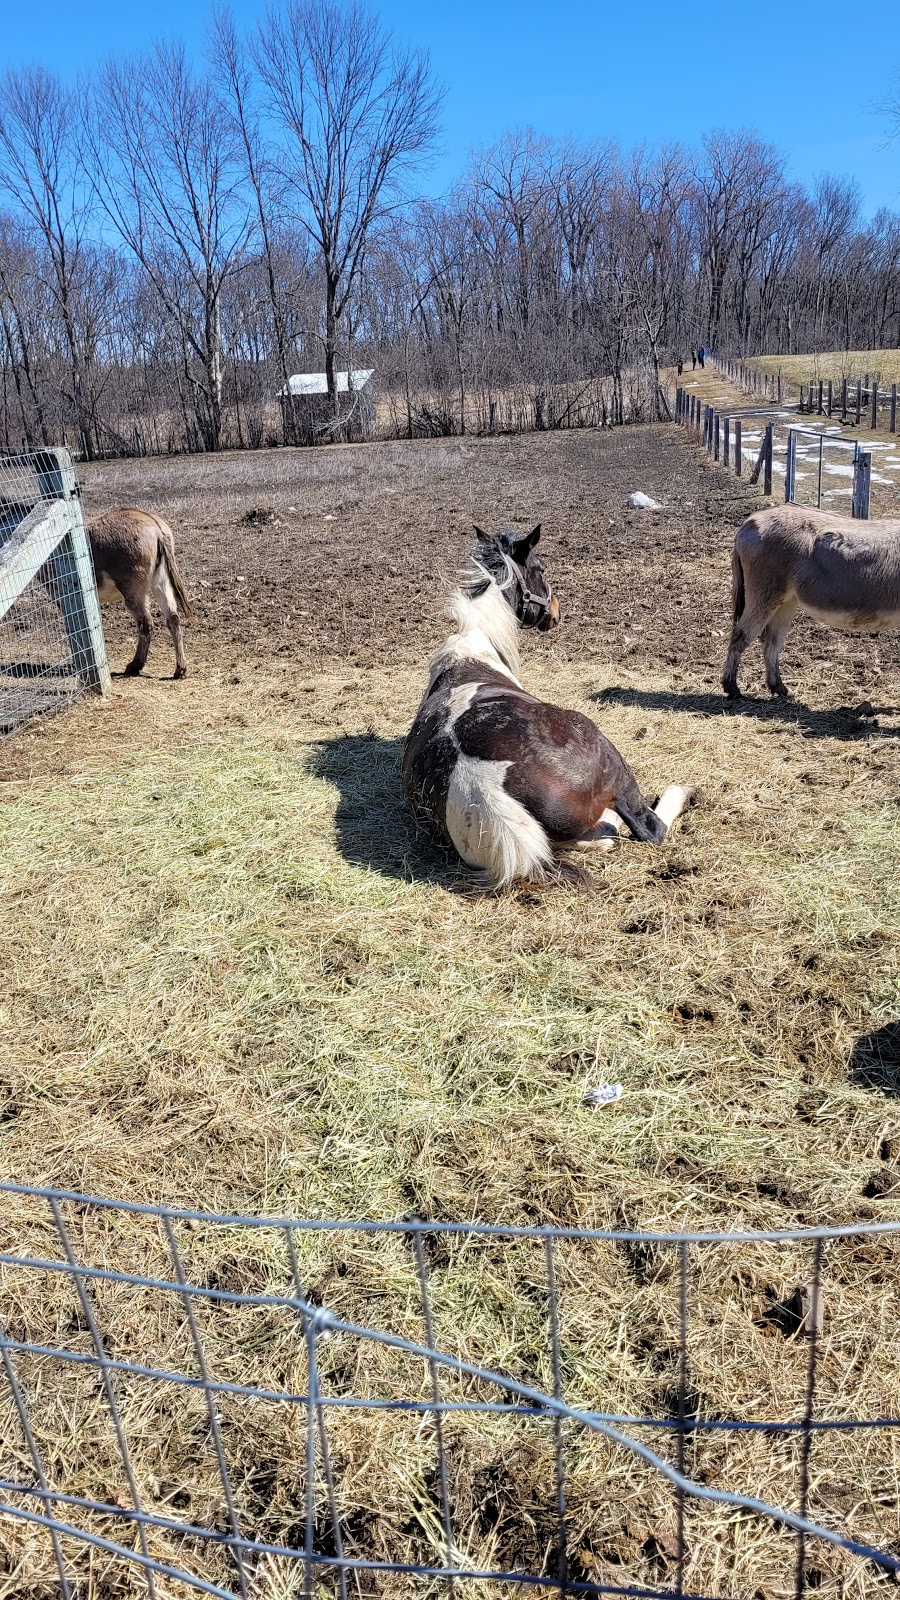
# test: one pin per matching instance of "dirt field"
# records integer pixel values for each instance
(236, 978)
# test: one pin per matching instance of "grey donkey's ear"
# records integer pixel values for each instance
(485, 538)
(523, 547)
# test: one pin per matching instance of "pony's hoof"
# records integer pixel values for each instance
(180, 672)
(779, 692)
(132, 670)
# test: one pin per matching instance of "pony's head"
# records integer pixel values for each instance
(508, 560)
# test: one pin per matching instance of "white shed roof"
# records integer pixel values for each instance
(315, 383)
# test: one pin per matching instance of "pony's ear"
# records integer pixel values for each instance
(523, 547)
(484, 538)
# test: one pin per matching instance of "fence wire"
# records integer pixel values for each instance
(112, 1308)
(45, 636)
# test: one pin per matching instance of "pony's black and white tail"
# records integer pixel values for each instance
(492, 830)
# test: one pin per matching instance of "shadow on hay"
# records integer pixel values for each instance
(373, 825)
(875, 1060)
(841, 723)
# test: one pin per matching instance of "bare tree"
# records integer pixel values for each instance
(39, 141)
(167, 168)
(235, 73)
(354, 116)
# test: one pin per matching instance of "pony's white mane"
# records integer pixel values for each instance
(486, 630)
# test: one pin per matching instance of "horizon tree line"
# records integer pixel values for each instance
(176, 240)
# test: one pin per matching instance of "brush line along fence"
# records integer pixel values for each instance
(753, 379)
(51, 635)
(69, 1245)
(722, 437)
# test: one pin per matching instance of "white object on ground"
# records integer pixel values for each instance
(606, 1095)
(642, 502)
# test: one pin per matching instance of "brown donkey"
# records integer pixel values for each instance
(842, 572)
(134, 558)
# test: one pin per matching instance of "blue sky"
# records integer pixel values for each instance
(807, 80)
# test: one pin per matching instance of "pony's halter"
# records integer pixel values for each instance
(529, 598)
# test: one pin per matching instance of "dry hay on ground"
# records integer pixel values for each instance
(235, 978)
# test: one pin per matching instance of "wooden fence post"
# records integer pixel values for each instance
(893, 408)
(767, 464)
(737, 446)
(874, 417)
(830, 395)
(779, 386)
(858, 400)
(844, 400)
(820, 397)
(716, 438)
(726, 445)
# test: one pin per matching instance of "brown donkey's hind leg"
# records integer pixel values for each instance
(138, 606)
(168, 605)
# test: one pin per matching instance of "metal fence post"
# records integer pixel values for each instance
(726, 445)
(893, 408)
(737, 446)
(874, 417)
(862, 481)
(72, 572)
(767, 480)
(790, 465)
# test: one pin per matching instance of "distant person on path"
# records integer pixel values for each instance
(701, 355)
(693, 360)
(680, 365)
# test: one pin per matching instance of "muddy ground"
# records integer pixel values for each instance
(303, 559)
(346, 552)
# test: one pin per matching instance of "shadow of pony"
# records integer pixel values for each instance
(373, 825)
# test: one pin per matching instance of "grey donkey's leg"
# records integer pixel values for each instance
(748, 627)
(773, 636)
(168, 605)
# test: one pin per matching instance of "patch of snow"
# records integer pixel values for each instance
(642, 502)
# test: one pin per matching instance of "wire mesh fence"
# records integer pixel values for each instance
(195, 1398)
(51, 641)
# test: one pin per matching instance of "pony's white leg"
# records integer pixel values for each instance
(672, 802)
(603, 834)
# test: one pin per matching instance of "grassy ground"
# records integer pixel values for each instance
(237, 978)
(882, 366)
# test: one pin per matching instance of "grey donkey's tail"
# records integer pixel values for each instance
(167, 559)
(737, 586)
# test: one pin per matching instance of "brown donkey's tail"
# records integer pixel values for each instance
(737, 585)
(167, 559)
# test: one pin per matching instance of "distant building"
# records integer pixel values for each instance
(307, 412)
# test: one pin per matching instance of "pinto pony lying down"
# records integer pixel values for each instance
(512, 781)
